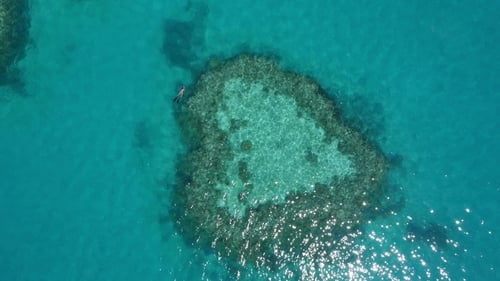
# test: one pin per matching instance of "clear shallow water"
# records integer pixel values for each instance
(85, 158)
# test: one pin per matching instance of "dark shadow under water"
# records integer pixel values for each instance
(430, 233)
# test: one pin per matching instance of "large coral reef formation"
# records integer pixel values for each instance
(14, 29)
(273, 172)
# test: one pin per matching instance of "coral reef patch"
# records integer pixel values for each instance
(273, 172)
(14, 28)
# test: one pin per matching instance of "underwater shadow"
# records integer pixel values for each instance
(431, 233)
(142, 138)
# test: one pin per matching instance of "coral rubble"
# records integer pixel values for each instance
(273, 172)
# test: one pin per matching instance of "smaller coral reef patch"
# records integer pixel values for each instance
(14, 28)
(273, 172)
(184, 38)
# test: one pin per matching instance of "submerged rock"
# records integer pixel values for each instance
(14, 25)
(273, 173)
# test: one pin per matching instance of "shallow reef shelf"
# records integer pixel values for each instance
(273, 172)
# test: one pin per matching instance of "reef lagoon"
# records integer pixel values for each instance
(333, 140)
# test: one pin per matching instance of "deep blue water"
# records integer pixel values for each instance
(88, 152)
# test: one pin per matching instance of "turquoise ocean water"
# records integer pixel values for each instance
(88, 150)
